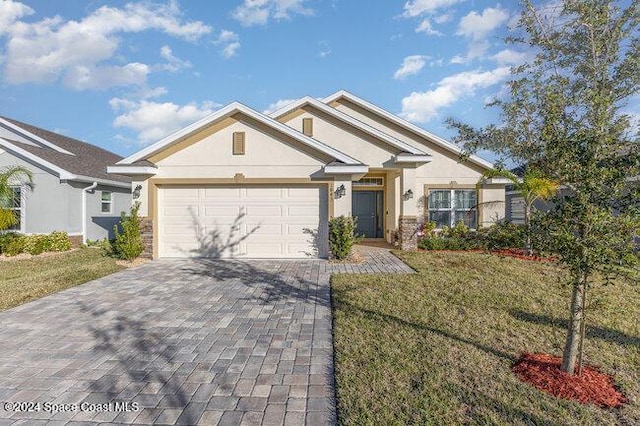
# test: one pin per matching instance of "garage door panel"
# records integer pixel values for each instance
(264, 193)
(268, 221)
(265, 211)
(222, 193)
(182, 193)
(220, 211)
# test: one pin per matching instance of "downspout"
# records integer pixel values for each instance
(84, 210)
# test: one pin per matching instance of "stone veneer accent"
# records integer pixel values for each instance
(408, 235)
(146, 232)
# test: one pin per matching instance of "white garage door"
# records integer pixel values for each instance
(242, 221)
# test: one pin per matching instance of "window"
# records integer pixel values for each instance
(369, 181)
(15, 205)
(106, 202)
(307, 126)
(449, 206)
(238, 143)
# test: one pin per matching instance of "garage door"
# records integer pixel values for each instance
(242, 221)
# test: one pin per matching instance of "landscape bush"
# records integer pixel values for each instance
(58, 241)
(459, 237)
(128, 242)
(12, 243)
(6, 238)
(15, 246)
(342, 236)
(502, 235)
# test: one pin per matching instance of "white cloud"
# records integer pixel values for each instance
(424, 106)
(411, 65)
(325, 49)
(444, 18)
(87, 77)
(421, 7)
(258, 12)
(173, 64)
(425, 27)
(151, 121)
(428, 10)
(477, 27)
(509, 57)
(230, 43)
(52, 48)
(10, 12)
(280, 103)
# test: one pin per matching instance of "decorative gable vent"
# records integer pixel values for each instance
(307, 126)
(238, 143)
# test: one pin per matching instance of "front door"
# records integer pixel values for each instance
(367, 209)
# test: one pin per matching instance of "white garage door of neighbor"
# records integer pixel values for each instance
(242, 221)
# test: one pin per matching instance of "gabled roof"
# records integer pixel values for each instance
(234, 108)
(71, 158)
(343, 94)
(307, 100)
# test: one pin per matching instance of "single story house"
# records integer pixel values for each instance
(240, 183)
(71, 189)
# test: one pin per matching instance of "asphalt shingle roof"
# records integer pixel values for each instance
(89, 160)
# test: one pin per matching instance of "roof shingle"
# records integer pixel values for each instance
(89, 160)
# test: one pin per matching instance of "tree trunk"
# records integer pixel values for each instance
(573, 345)
(527, 226)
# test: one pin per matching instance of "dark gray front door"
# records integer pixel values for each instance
(367, 209)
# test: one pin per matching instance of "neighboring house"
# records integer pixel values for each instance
(514, 202)
(241, 183)
(72, 191)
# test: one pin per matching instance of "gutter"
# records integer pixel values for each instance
(84, 210)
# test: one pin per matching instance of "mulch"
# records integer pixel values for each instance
(515, 253)
(520, 254)
(591, 387)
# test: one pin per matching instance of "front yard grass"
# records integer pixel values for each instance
(22, 280)
(437, 347)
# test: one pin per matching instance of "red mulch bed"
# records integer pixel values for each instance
(520, 254)
(516, 253)
(591, 387)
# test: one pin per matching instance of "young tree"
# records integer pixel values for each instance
(565, 117)
(9, 177)
(533, 186)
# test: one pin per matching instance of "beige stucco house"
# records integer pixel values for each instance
(239, 183)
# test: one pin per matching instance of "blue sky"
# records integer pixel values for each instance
(123, 74)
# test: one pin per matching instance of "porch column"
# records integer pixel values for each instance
(342, 203)
(408, 218)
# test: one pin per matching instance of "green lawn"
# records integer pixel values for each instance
(27, 279)
(437, 347)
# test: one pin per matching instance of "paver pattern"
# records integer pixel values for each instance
(189, 341)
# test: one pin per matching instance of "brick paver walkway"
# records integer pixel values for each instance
(188, 341)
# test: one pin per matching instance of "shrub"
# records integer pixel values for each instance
(15, 246)
(35, 244)
(6, 238)
(459, 237)
(128, 243)
(342, 236)
(432, 243)
(58, 241)
(504, 235)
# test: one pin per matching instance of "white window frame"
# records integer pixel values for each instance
(21, 227)
(452, 207)
(103, 202)
(369, 181)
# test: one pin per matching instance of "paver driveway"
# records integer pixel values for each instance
(190, 341)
